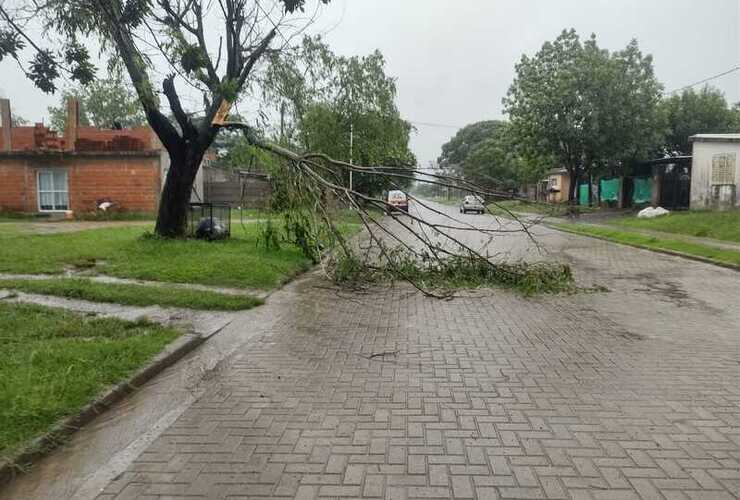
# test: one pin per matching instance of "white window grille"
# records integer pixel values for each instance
(53, 191)
(723, 169)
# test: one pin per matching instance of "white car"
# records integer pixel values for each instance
(397, 201)
(472, 203)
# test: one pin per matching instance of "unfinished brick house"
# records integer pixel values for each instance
(42, 172)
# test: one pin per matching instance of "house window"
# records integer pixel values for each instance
(53, 190)
(723, 169)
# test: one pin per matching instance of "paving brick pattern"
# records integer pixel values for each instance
(392, 395)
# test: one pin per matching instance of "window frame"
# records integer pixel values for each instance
(53, 191)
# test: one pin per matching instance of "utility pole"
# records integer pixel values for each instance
(351, 136)
(351, 147)
(282, 123)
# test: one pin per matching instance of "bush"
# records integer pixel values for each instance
(268, 236)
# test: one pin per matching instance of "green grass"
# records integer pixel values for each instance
(54, 362)
(704, 224)
(134, 295)
(538, 208)
(517, 207)
(84, 216)
(123, 252)
(15, 217)
(443, 200)
(23, 218)
(115, 216)
(650, 242)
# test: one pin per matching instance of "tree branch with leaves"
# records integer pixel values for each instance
(147, 36)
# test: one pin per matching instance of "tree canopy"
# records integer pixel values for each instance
(106, 103)
(696, 112)
(170, 41)
(487, 153)
(343, 107)
(583, 106)
(457, 149)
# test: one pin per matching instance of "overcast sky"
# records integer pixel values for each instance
(454, 59)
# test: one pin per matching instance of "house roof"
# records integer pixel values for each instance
(715, 138)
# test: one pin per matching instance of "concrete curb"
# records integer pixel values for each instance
(42, 445)
(665, 251)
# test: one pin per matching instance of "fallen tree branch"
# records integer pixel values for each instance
(316, 176)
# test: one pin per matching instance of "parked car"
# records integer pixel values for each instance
(397, 201)
(472, 203)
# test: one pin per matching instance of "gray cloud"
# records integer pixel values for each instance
(454, 59)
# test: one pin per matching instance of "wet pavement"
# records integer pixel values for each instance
(106, 447)
(322, 393)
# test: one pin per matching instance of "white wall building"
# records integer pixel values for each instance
(715, 177)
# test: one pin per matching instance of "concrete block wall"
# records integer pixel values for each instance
(703, 194)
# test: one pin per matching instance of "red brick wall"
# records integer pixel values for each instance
(14, 186)
(38, 136)
(130, 181)
(133, 183)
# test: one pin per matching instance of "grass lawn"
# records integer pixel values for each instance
(443, 200)
(705, 224)
(538, 208)
(54, 362)
(123, 252)
(134, 295)
(651, 242)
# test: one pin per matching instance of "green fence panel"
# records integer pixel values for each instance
(583, 194)
(643, 190)
(609, 189)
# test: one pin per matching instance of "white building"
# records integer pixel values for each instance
(715, 180)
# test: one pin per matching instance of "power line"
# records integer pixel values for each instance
(720, 75)
(438, 125)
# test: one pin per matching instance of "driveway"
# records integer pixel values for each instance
(631, 393)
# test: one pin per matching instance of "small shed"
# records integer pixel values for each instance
(558, 185)
(715, 180)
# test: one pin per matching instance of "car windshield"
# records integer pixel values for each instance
(396, 195)
(471, 199)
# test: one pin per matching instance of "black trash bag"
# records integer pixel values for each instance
(211, 229)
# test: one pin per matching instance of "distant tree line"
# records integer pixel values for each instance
(591, 111)
(343, 107)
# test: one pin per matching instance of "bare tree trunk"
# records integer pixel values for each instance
(175, 199)
(590, 190)
(573, 187)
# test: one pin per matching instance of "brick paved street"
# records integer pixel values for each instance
(634, 393)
